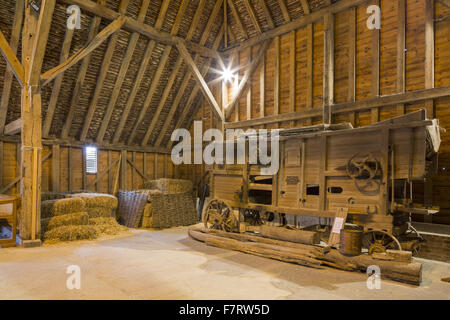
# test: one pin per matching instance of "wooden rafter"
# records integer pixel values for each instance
(122, 73)
(8, 77)
(201, 82)
(99, 85)
(57, 84)
(284, 10)
(266, 11)
(252, 14)
(297, 23)
(194, 92)
(248, 73)
(305, 6)
(82, 53)
(13, 127)
(11, 59)
(237, 18)
(162, 102)
(159, 71)
(140, 27)
(445, 2)
(204, 38)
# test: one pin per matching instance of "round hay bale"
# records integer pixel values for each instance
(71, 233)
(78, 218)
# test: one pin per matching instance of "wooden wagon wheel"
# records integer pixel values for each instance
(379, 241)
(217, 214)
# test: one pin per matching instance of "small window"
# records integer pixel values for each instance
(312, 190)
(91, 160)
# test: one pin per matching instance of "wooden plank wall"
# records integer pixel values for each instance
(62, 178)
(399, 67)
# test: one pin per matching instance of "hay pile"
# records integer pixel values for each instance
(169, 185)
(82, 216)
(98, 204)
(52, 195)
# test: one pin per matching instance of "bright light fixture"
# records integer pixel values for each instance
(227, 75)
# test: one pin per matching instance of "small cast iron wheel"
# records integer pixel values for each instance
(380, 241)
(217, 214)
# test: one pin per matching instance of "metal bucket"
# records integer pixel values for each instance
(350, 242)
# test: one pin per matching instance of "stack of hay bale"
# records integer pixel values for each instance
(170, 203)
(78, 216)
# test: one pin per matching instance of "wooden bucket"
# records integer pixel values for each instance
(350, 242)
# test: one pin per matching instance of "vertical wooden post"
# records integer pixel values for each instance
(123, 170)
(165, 165)
(352, 61)
(375, 112)
(34, 40)
(429, 83)
(276, 85)
(401, 32)
(262, 87)
(56, 174)
(144, 165)
(249, 88)
(1, 163)
(309, 68)
(155, 169)
(110, 172)
(70, 168)
(292, 72)
(133, 170)
(83, 168)
(328, 75)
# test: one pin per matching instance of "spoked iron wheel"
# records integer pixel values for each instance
(219, 215)
(380, 241)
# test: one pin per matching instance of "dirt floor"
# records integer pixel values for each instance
(169, 265)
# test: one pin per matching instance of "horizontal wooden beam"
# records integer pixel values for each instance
(80, 54)
(296, 24)
(11, 59)
(393, 99)
(79, 144)
(140, 27)
(13, 127)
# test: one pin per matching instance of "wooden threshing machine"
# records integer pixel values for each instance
(367, 171)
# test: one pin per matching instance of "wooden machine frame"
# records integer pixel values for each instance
(368, 171)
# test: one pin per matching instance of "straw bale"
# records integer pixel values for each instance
(68, 205)
(102, 200)
(78, 218)
(169, 185)
(147, 217)
(53, 195)
(95, 212)
(71, 233)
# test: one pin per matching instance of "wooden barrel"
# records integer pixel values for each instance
(350, 242)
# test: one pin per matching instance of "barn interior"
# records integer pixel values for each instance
(95, 95)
